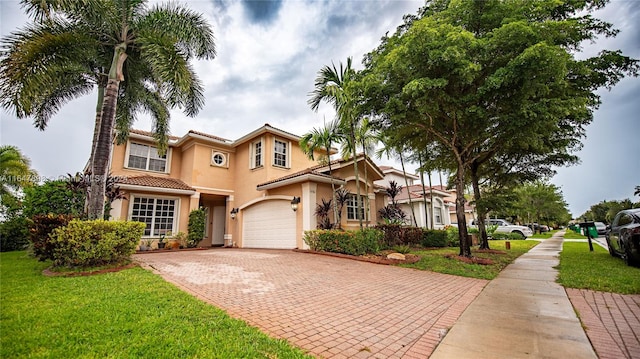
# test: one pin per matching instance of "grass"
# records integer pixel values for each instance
(569, 234)
(597, 270)
(128, 314)
(435, 260)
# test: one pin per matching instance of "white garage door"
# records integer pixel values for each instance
(270, 224)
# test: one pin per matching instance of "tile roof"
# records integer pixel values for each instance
(210, 136)
(310, 170)
(149, 134)
(152, 181)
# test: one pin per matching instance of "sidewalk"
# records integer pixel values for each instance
(523, 313)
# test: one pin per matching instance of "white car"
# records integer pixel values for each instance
(506, 227)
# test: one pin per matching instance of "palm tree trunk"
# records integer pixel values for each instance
(333, 192)
(406, 182)
(433, 216)
(355, 169)
(424, 196)
(100, 166)
(96, 134)
(366, 182)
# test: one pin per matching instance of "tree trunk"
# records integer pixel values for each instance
(406, 182)
(433, 217)
(355, 168)
(96, 134)
(366, 183)
(424, 197)
(100, 166)
(336, 218)
(484, 238)
(465, 249)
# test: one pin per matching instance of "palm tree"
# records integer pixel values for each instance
(332, 86)
(138, 58)
(323, 138)
(15, 172)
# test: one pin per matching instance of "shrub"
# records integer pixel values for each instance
(397, 235)
(435, 238)
(196, 227)
(14, 234)
(95, 243)
(39, 233)
(53, 197)
(347, 242)
(452, 236)
(404, 249)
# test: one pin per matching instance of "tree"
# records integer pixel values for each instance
(333, 86)
(15, 173)
(323, 139)
(467, 75)
(53, 197)
(541, 202)
(82, 44)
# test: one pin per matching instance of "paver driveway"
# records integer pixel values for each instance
(331, 307)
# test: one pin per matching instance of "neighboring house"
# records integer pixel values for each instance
(256, 177)
(469, 211)
(437, 202)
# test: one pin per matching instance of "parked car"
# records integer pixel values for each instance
(601, 228)
(623, 236)
(535, 227)
(506, 227)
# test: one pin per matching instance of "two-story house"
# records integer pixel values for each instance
(247, 187)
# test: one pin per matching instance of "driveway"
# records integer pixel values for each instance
(330, 307)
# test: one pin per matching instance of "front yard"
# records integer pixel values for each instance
(444, 260)
(129, 314)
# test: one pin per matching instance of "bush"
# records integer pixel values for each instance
(53, 197)
(196, 227)
(452, 236)
(404, 249)
(14, 234)
(505, 236)
(39, 233)
(397, 235)
(435, 238)
(347, 242)
(95, 243)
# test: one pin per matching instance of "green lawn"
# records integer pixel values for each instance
(128, 314)
(597, 270)
(434, 260)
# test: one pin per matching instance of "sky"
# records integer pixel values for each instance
(268, 56)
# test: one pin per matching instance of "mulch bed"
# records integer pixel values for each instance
(169, 250)
(49, 273)
(371, 258)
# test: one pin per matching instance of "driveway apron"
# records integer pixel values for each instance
(330, 307)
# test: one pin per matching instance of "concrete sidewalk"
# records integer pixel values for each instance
(523, 313)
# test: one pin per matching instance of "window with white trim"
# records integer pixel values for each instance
(158, 214)
(437, 213)
(218, 159)
(280, 153)
(352, 207)
(256, 154)
(146, 158)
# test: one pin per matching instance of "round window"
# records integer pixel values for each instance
(218, 159)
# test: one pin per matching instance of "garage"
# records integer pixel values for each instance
(269, 224)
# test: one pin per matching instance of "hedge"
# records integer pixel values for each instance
(95, 243)
(434, 238)
(397, 235)
(347, 242)
(39, 233)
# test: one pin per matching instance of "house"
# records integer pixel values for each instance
(247, 187)
(469, 210)
(437, 200)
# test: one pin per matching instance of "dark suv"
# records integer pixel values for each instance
(623, 236)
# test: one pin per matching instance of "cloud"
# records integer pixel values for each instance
(261, 11)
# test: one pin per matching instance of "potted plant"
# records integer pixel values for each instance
(146, 245)
(178, 241)
(161, 242)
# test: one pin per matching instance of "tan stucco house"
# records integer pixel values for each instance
(246, 187)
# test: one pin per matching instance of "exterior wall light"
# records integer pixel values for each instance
(234, 212)
(294, 203)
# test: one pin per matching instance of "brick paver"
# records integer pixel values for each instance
(612, 322)
(331, 307)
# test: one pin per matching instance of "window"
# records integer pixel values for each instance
(437, 213)
(158, 214)
(218, 159)
(146, 158)
(280, 154)
(352, 207)
(256, 154)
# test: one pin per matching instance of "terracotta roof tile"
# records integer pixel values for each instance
(150, 134)
(310, 170)
(152, 181)
(208, 135)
